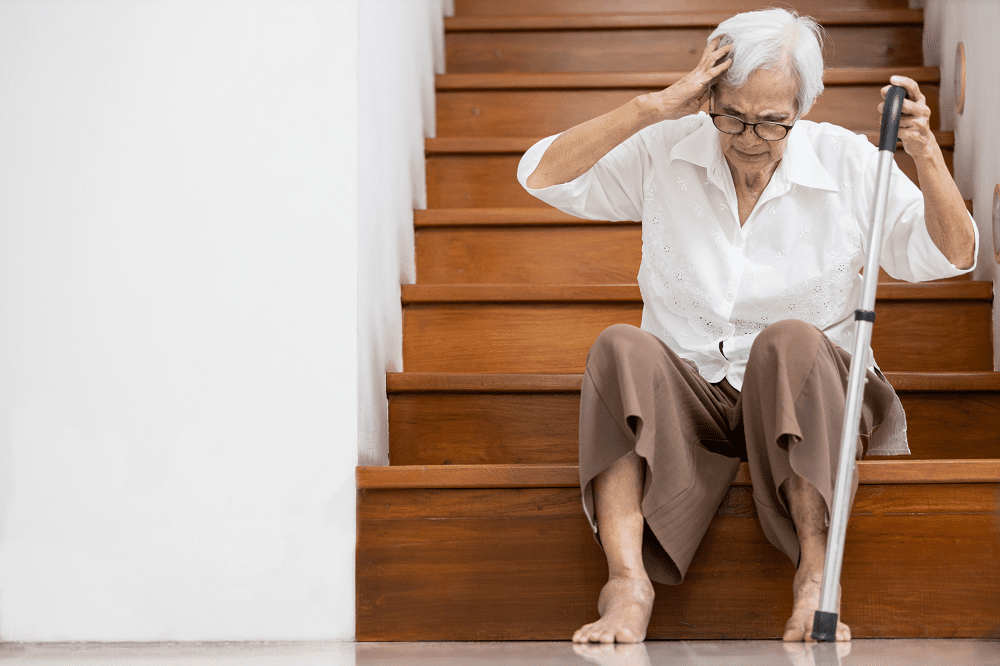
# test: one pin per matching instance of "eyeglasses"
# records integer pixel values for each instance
(731, 125)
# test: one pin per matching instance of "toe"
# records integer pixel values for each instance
(626, 636)
(843, 632)
(794, 630)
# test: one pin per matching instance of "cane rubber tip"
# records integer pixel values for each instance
(824, 626)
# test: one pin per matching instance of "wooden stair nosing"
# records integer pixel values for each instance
(833, 76)
(870, 472)
(629, 293)
(515, 217)
(630, 20)
(472, 144)
(419, 382)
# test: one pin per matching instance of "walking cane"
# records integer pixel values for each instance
(825, 620)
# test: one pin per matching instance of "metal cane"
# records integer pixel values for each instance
(825, 620)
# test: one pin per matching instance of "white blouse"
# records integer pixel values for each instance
(706, 280)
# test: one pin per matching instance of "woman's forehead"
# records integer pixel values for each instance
(764, 91)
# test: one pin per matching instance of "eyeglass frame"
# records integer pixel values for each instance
(713, 116)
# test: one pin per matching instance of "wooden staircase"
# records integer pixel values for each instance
(475, 530)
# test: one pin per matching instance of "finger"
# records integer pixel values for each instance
(912, 89)
(720, 68)
(917, 110)
(712, 56)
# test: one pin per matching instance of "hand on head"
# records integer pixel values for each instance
(692, 90)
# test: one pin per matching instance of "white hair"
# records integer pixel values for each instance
(775, 38)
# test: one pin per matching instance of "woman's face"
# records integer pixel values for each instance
(768, 95)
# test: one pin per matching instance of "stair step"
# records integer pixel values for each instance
(514, 217)
(508, 555)
(870, 472)
(491, 246)
(478, 419)
(673, 19)
(550, 328)
(832, 76)
(481, 172)
(532, 104)
(727, 7)
(641, 42)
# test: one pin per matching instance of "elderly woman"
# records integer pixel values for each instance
(753, 227)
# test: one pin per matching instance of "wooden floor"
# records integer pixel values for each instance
(475, 529)
(699, 653)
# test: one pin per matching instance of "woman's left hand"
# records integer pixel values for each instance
(914, 125)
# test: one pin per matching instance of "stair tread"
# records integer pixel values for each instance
(517, 144)
(530, 80)
(525, 293)
(470, 382)
(870, 472)
(681, 19)
(513, 217)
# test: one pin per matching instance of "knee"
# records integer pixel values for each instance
(614, 342)
(783, 338)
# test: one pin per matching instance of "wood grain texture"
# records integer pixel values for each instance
(668, 19)
(464, 428)
(466, 382)
(543, 7)
(489, 180)
(533, 113)
(522, 564)
(549, 254)
(617, 293)
(507, 144)
(469, 337)
(504, 217)
(639, 48)
(536, 255)
(511, 217)
(870, 472)
(498, 81)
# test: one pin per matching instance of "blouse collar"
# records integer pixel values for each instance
(799, 165)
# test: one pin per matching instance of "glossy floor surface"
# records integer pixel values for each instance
(665, 653)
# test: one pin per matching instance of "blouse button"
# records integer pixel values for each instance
(730, 296)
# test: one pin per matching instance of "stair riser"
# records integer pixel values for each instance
(663, 49)
(543, 428)
(477, 180)
(538, 7)
(441, 565)
(914, 336)
(544, 112)
(535, 255)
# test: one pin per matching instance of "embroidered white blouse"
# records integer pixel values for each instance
(706, 280)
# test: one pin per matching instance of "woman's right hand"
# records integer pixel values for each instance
(691, 91)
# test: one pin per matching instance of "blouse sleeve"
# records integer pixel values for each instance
(609, 190)
(908, 252)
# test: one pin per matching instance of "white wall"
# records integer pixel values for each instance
(976, 23)
(401, 47)
(178, 298)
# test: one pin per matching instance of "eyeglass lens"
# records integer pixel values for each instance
(767, 131)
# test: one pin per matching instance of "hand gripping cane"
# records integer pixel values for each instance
(825, 620)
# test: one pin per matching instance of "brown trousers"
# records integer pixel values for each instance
(638, 394)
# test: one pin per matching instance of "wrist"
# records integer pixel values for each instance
(653, 107)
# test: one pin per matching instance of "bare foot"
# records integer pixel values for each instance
(613, 655)
(807, 591)
(625, 605)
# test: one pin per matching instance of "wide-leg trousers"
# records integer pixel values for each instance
(639, 395)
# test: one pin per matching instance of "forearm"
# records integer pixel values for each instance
(945, 214)
(580, 148)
